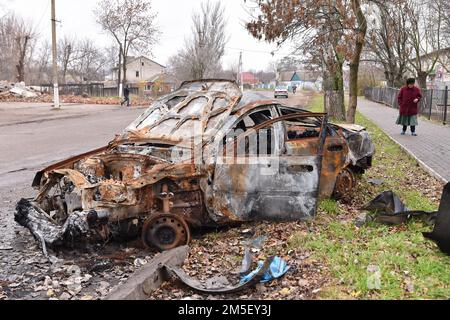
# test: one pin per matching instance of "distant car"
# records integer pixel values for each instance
(281, 91)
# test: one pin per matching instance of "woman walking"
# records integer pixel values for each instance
(408, 100)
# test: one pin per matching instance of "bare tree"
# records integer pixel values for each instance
(203, 52)
(177, 68)
(265, 77)
(16, 40)
(327, 32)
(446, 23)
(231, 72)
(38, 70)
(67, 55)
(426, 36)
(22, 43)
(388, 41)
(359, 37)
(288, 63)
(112, 58)
(131, 23)
(91, 62)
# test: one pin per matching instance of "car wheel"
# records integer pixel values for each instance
(345, 183)
(165, 232)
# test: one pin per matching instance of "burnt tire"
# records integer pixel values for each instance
(345, 183)
(165, 232)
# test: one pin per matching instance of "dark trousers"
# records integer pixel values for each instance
(413, 129)
(127, 100)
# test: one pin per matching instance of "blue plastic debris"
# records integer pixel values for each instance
(256, 243)
(277, 269)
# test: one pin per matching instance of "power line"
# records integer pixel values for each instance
(173, 37)
(273, 53)
(42, 17)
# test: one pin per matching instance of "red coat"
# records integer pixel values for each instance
(406, 99)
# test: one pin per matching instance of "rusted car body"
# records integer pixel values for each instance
(201, 156)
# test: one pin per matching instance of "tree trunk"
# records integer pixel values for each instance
(124, 47)
(119, 73)
(22, 54)
(334, 103)
(64, 73)
(354, 64)
(334, 97)
(353, 103)
(399, 81)
(389, 78)
(124, 71)
(422, 79)
(20, 71)
(339, 113)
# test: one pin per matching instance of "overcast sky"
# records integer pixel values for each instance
(174, 20)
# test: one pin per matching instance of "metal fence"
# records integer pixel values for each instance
(434, 104)
(97, 90)
(114, 91)
(92, 89)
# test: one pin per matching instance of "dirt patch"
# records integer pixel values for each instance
(46, 98)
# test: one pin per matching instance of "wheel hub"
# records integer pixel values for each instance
(166, 232)
(345, 183)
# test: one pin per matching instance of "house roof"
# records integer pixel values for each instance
(437, 52)
(132, 59)
(308, 76)
(164, 77)
(286, 75)
(249, 77)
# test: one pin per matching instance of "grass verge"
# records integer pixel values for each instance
(410, 267)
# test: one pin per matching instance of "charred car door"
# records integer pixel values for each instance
(303, 139)
(257, 179)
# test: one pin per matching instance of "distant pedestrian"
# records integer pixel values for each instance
(408, 100)
(126, 94)
(294, 89)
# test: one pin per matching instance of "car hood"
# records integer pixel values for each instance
(359, 142)
(195, 111)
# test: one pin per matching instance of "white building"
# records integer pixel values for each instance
(140, 69)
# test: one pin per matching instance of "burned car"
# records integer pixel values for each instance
(200, 156)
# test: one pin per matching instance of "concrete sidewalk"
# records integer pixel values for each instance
(431, 148)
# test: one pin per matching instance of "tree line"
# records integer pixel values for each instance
(401, 36)
(25, 55)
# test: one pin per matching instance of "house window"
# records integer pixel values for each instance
(137, 74)
(142, 64)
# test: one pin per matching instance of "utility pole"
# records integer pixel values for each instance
(55, 63)
(119, 85)
(241, 80)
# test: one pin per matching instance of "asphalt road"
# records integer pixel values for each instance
(32, 136)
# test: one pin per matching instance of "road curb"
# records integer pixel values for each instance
(150, 277)
(422, 164)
